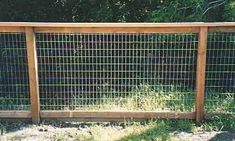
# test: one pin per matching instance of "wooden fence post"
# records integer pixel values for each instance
(200, 75)
(33, 74)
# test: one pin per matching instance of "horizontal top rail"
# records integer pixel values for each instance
(192, 27)
(48, 24)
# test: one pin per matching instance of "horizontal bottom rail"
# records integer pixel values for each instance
(117, 115)
(105, 115)
(15, 114)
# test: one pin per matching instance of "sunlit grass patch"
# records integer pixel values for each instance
(142, 98)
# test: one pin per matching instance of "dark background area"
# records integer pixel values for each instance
(13, 58)
(117, 10)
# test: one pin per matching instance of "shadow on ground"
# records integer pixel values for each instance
(7, 126)
(224, 136)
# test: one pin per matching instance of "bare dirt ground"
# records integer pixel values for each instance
(70, 131)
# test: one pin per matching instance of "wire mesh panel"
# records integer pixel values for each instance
(14, 84)
(220, 72)
(117, 71)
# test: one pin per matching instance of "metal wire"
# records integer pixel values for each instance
(14, 84)
(220, 72)
(121, 71)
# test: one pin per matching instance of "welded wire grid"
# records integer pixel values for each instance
(117, 71)
(14, 84)
(220, 72)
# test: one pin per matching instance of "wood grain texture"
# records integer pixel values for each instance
(117, 115)
(186, 24)
(33, 74)
(117, 29)
(11, 29)
(200, 76)
(15, 114)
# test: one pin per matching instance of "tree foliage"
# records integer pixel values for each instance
(117, 10)
(229, 11)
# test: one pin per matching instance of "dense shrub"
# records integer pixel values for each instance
(229, 12)
(117, 10)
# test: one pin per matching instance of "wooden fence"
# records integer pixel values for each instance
(30, 29)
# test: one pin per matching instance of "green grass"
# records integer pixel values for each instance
(217, 102)
(7, 103)
(217, 123)
(141, 98)
(149, 98)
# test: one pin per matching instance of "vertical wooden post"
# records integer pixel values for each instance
(33, 74)
(200, 76)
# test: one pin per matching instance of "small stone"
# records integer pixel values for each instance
(40, 130)
(45, 130)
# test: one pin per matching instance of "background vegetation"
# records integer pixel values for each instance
(117, 10)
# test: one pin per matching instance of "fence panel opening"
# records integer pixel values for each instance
(14, 83)
(117, 71)
(220, 72)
